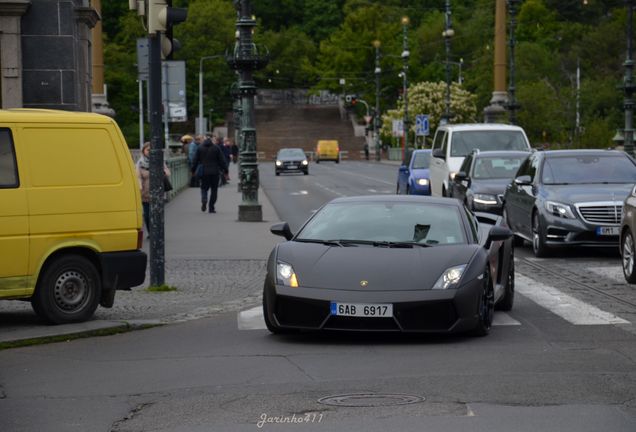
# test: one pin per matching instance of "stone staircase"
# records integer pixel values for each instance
(302, 126)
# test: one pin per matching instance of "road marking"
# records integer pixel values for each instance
(252, 319)
(329, 189)
(372, 190)
(567, 307)
(302, 192)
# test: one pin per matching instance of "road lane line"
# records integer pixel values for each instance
(252, 319)
(567, 307)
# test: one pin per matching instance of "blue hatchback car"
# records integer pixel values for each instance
(413, 176)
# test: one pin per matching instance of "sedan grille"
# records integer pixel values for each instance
(606, 213)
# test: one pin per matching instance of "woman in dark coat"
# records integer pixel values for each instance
(212, 160)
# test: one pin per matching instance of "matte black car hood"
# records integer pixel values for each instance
(489, 186)
(385, 269)
(571, 194)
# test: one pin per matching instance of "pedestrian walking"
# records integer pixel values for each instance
(143, 175)
(213, 165)
(234, 150)
(192, 151)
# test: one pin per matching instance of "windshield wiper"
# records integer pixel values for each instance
(325, 242)
(384, 243)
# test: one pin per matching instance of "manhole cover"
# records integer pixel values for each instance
(370, 400)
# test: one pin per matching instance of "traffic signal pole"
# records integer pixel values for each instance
(157, 239)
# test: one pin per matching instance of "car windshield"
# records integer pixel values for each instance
(465, 142)
(290, 153)
(410, 222)
(497, 167)
(421, 160)
(589, 169)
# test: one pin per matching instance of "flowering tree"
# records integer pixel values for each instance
(429, 98)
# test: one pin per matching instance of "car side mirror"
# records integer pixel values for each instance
(497, 233)
(439, 153)
(523, 180)
(282, 229)
(404, 168)
(461, 176)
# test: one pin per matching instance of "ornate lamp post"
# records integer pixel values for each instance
(448, 34)
(376, 119)
(246, 59)
(512, 104)
(405, 81)
(628, 83)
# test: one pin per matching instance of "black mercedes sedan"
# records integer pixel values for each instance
(483, 177)
(291, 160)
(390, 263)
(569, 197)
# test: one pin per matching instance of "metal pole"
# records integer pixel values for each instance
(629, 83)
(376, 119)
(512, 101)
(448, 34)
(200, 128)
(577, 127)
(141, 113)
(166, 104)
(157, 241)
(405, 68)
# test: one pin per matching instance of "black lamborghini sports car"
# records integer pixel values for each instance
(390, 263)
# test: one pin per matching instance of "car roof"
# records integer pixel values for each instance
(397, 199)
(480, 126)
(291, 148)
(582, 152)
(492, 153)
(422, 151)
(36, 115)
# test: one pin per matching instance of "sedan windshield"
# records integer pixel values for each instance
(421, 160)
(291, 153)
(376, 222)
(589, 169)
(498, 167)
(465, 142)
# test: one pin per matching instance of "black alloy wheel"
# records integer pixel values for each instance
(505, 304)
(538, 238)
(628, 254)
(486, 307)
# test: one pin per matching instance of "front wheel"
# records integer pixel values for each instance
(628, 253)
(397, 189)
(68, 290)
(486, 308)
(505, 304)
(538, 241)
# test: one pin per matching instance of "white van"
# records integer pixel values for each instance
(453, 142)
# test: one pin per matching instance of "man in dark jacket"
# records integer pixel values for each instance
(214, 165)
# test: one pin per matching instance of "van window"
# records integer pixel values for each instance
(445, 144)
(93, 161)
(8, 167)
(439, 135)
(466, 141)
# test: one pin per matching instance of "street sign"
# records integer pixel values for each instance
(398, 128)
(174, 93)
(142, 59)
(421, 125)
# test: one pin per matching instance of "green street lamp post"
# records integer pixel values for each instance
(448, 34)
(628, 83)
(376, 118)
(405, 82)
(512, 104)
(245, 59)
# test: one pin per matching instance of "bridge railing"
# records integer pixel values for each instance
(179, 170)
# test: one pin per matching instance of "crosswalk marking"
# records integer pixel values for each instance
(567, 307)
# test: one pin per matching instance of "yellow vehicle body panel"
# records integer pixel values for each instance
(327, 150)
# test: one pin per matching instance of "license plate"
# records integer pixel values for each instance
(373, 310)
(608, 231)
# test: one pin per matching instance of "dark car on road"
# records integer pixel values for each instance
(413, 174)
(483, 177)
(291, 160)
(390, 263)
(569, 198)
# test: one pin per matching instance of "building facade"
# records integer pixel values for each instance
(45, 54)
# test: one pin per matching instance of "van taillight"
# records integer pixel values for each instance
(140, 238)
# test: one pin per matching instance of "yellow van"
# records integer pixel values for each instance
(70, 213)
(327, 150)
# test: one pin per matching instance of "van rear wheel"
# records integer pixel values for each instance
(68, 290)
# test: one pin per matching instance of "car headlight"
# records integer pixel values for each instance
(450, 278)
(278, 163)
(485, 199)
(285, 275)
(559, 209)
(422, 182)
(305, 162)
(451, 175)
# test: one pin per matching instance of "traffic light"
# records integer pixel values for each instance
(162, 16)
(351, 100)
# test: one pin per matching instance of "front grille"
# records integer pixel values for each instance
(602, 214)
(426, 316)
(299, 312)
(360, 323)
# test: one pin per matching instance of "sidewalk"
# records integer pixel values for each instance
(216, 264)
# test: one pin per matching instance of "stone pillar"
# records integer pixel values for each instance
(495, 112)
(11, 12)
(99, 96)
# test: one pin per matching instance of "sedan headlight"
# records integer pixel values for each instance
(451, 175)
(285, 275)
(422, 182)
(485, 199)
(559, 209)
(305, 162)
(450, 278)
(278, 163)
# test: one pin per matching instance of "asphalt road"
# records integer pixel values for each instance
(564, 359)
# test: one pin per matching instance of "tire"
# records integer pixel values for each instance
(628, 255)
(408, 190)
(507, 301)
(538, 241)
(68, 290)
(444, 193)
(337, 161)
(486, 308)
(318, 161)
(306, 172)
(397, 189)
(277, 173)
(516, 240)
